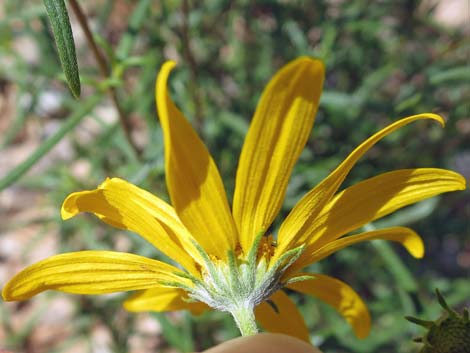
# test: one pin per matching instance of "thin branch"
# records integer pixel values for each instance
(188, 55)
(105, 72)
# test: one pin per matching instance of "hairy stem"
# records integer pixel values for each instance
(245, 320)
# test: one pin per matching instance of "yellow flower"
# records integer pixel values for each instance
(227, 260)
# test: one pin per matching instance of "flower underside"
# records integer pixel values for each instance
(241, 283)
(229, 263)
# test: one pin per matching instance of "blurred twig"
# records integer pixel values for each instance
(187, 52)
(103, 67)
(45, 147)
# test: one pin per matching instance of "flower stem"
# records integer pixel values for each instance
(245, 319)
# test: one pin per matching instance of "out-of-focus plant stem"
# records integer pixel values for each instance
(48, 144)
(103, 67)
(188, 55)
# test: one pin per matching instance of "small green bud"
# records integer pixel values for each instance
(448, 334)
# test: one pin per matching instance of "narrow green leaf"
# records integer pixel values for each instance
(455, 74)
(47, 145)
(60, 22)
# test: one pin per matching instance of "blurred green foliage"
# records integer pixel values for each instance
(384, 59)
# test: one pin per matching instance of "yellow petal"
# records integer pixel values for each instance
(341, 297)
(377, 197)
(405, 236)
(287, 320)
(279, 130)
(124, 205)
(163, 299)
(193, 181)
(303, 215)
(91, 272)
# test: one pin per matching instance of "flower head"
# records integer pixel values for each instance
(228, 260)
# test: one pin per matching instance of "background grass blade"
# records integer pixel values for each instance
(47, 145)
(60, 22)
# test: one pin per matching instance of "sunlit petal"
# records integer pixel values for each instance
(303, 216)
(278, 132)
(341, 297)
(285, 319)
(405, 236)
(193, 181)
(91, 272)
(124, 205)
(163, 299)
(376, 197)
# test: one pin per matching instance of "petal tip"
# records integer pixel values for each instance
(161, 90)
(5, 295)
(314, 68)
(8, 291)
(308, 59)
(316, 65)
(69, 207)
(169, 64)
(414, 244)
(362, 332)
(111, 182)
(418, 253)
(166, 68)
(463, 183)
(362, 328)
(437, 118)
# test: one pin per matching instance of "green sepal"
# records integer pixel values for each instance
(233, 268)
(189, 276)
(175, 284)
(444, 304)
(423, 323)
(208, 262)
(299, 279)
